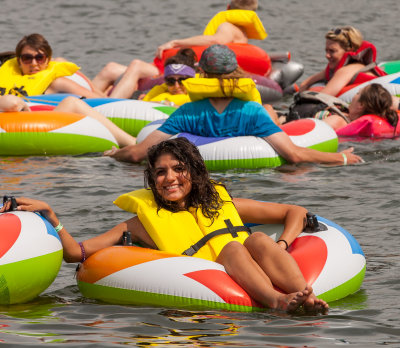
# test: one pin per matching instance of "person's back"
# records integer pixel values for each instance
(225, 28)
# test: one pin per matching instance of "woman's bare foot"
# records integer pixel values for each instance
(306, 299)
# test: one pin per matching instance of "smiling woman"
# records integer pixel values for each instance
(351, 60)
(33, 71)
(185, 212)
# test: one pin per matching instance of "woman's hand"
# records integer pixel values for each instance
(349, 157)
(13, 103)
(167, 46)
(33, 205)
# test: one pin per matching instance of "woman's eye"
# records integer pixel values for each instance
(179, 169)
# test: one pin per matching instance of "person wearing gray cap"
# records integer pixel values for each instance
(227, 116)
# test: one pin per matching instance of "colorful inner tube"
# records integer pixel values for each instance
(390, 82)
(331, 260)
(52, 133)
(249, 57)
(249, 152)
(30, 256)
(129, 115)
(390, 67)
(369, 126)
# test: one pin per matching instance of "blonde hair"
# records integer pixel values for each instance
(251, 5)
(348, 37)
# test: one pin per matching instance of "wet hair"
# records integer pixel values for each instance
(203, 194)
(37, 42)
(251, 5)
(376, 100)
(348, 37)
(233, 78)
(184, 56)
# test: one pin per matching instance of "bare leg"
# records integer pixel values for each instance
(245, 270)
(72, 104)
(282, 269)
(108, 75)
(136, 70)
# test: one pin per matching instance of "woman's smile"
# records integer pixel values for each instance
(172, 179)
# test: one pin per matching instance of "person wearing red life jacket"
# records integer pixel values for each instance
(351, 60)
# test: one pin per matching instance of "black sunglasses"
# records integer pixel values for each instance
(28, 58)
(339, 31)
(170, 81)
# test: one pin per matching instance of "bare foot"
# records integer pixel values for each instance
(297, 299)
(306, 299)
(315, 305)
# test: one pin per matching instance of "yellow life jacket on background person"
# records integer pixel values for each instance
(246, 19)
(13, 82)
(177, 232)
(159, 93)
(202, 88)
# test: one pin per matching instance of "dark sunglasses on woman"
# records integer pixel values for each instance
(28, 58)
(170, 81)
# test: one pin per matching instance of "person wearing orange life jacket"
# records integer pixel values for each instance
(350, 60)
(33, 71)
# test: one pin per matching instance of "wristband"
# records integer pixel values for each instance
(344, 158)
(83, 252)
(284, 241)
(59, 227)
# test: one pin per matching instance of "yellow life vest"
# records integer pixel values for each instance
(177, 232)
(202, 88)
(13, 82)
(160, 93)
(246, 19)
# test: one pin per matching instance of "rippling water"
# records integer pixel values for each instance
(364, 199)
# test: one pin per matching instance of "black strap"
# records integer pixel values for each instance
(233, 230)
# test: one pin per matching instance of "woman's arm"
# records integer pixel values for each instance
(65, 85)
(319, 76)
(293, 217)
(341, 78)
(71, 248)
(335, 121)
(285, 147)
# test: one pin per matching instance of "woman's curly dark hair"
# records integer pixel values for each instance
(203, 195)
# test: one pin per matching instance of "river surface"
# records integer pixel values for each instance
(365, 199)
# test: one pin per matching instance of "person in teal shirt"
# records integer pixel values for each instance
(227, 116)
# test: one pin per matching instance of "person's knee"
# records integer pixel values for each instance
(258, 242)
(232, 249)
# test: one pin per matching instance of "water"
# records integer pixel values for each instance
(364, 199)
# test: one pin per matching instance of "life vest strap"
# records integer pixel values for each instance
(233, 230)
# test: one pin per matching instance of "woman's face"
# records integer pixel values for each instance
(32, 61)
(333, 53)
(174, 84)
(356, 109)
(172, 179)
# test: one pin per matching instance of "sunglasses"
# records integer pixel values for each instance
(170, 81)
(339, 31)
(28, 58)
